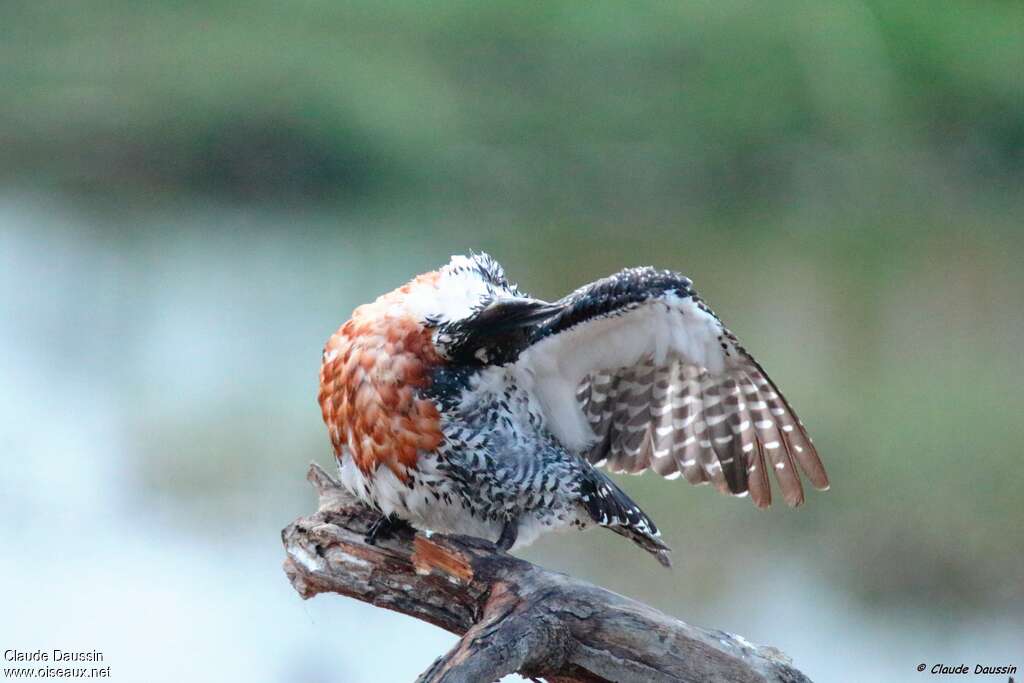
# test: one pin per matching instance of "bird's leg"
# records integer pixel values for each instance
(384, 528)
(508, 533)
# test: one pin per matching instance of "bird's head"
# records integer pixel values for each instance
(475, 315)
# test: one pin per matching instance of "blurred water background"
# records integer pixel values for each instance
(194, 196)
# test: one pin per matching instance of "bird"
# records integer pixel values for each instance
(458, 404)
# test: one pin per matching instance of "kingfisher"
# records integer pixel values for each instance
(458, 404)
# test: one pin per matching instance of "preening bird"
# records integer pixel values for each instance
(458, 404)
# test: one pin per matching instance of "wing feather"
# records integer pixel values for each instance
(660, 383)
(771, 439)
(687, 412)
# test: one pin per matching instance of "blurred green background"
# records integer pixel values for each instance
(193, 196)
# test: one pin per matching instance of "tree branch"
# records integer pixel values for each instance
(513, 616)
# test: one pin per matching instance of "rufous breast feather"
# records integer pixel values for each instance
(373, 369)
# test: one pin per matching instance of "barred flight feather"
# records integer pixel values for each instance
(679, 418)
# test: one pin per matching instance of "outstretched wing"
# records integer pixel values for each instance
(636, 372)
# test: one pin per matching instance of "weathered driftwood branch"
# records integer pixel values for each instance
(513, 616)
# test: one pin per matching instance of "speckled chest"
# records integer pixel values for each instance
(485, 408)
(497, 454)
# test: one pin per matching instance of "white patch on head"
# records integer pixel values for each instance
(460, 290)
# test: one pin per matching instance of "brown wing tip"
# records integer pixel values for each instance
(820, 484)
(664, 558)
(812, 467)
(818, 477)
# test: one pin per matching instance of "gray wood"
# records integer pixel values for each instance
(513, 616)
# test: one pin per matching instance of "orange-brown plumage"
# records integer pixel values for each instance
(372, 366)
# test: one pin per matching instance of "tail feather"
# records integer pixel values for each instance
(610, 507)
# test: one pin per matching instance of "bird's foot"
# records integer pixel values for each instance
(509, 532)
(384, 528)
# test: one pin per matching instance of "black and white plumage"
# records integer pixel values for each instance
(633, 372)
